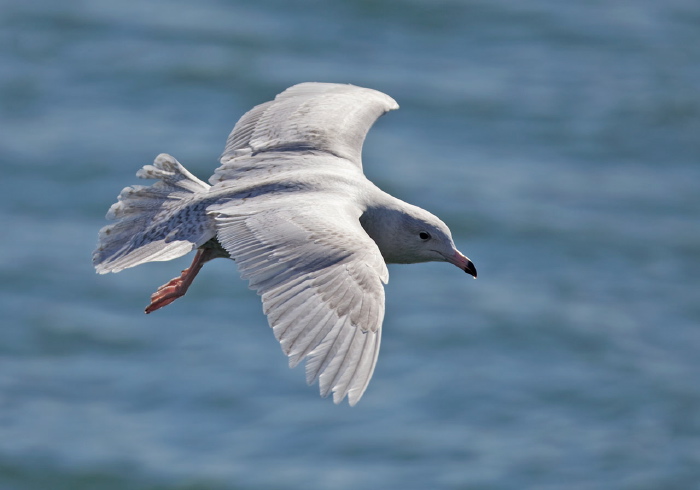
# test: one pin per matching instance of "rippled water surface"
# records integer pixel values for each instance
(559, 140)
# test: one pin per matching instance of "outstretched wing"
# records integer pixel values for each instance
(321, 281)
(324, 117)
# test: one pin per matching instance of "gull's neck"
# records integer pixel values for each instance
(382, 219)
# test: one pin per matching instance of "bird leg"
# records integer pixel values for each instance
(178, 286)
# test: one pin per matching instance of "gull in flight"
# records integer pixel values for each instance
(292, 207)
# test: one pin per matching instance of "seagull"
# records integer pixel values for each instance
(290, 204)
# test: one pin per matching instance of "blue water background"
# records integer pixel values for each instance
(559, 140)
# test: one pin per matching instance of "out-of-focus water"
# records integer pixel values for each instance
(559, 140)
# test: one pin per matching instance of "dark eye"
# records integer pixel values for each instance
(424, 235)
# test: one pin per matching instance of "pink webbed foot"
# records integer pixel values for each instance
(168, 293)
(178, 286)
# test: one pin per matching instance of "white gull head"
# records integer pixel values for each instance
(407, 234)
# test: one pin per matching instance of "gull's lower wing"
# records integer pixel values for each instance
(321, 280)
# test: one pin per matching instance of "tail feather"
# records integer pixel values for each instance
(159, 222)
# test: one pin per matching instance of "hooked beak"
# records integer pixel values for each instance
(463, 263)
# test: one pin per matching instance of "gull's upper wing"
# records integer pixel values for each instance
(323, 117)
(321, 281)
